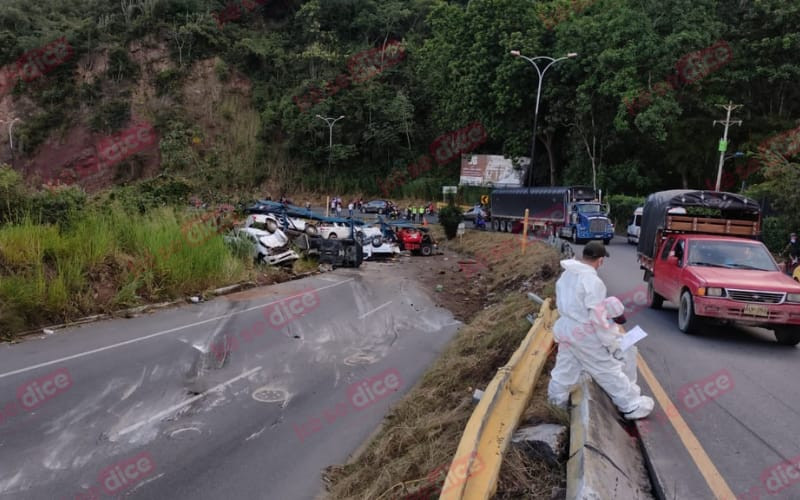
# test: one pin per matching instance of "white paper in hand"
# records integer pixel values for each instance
(631, 337)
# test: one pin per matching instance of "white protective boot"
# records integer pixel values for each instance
(646, 405)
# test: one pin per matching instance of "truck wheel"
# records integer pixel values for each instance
(495, 225)
(687, 319)
(426, 250)
(332, 236)
(786, 335)
(607, 241)
(653, 299)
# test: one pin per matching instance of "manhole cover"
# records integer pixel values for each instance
(269, 395)
(360, 358)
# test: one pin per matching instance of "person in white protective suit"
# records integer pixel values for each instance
(579, 291)
(607, 318)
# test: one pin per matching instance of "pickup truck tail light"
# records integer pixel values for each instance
(711, 292)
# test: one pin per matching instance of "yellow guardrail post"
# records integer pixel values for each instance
(525, 231)
(475, 468)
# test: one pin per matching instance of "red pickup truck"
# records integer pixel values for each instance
(700, 250)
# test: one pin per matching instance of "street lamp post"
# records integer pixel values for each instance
(330, 122)
(10, 136)
(541, 73)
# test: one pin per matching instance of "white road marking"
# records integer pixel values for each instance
(177, 407)
(256, 434)
(158, 334)
(372, 311)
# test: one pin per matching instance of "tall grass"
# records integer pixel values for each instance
(103, 261)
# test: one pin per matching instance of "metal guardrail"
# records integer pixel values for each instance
(476, 466)
(562, 246)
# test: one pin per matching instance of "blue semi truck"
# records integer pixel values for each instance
(574, 212)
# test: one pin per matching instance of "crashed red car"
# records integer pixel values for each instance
(416, 240)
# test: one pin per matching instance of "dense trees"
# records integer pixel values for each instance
(633, 109)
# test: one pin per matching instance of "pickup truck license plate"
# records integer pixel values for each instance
(756, 310)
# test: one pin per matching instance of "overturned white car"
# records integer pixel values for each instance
(267, 243)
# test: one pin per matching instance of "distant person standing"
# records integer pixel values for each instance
(333, 205)
(350, 209)
(792, 251)
(338, 207)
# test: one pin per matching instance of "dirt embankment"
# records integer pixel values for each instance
(410, 455)
(75, 154)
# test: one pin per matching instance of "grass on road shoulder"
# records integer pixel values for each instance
(109, 260)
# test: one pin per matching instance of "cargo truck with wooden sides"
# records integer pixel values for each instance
(701, 251)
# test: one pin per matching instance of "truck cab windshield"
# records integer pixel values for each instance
(732, 255)
(589, 208)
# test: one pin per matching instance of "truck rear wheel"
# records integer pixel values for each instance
(787, 335)
(495, 225)
(426, 250)
(654, 300)
(687, 319)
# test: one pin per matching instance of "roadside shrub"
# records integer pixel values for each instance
(146, 195)
(12, 194)
(450, 217)
(58, 205)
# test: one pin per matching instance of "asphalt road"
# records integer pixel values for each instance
(746, 424)
(247, 396)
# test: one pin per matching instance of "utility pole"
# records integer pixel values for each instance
(723, 143)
